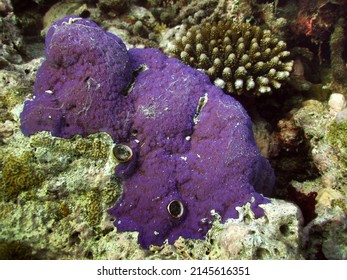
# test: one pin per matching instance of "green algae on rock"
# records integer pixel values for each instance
(275, 236)
(337, 138)
(325, 227)
(64, 215)
(327, 140)
(238, 57)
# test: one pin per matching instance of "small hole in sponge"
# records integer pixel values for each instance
(175, 209)
(122, 153)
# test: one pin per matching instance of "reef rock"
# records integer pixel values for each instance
(187, 150)
(277, 235)
(323, 199)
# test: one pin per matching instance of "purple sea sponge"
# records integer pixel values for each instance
(191, 151)
(197, 155)
(79, 86)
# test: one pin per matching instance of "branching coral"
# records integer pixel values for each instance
(238, 57)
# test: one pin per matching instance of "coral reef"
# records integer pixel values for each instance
(73, 98)
(238, 57)
(55, 193)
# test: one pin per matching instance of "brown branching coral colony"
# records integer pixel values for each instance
(238, 57)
